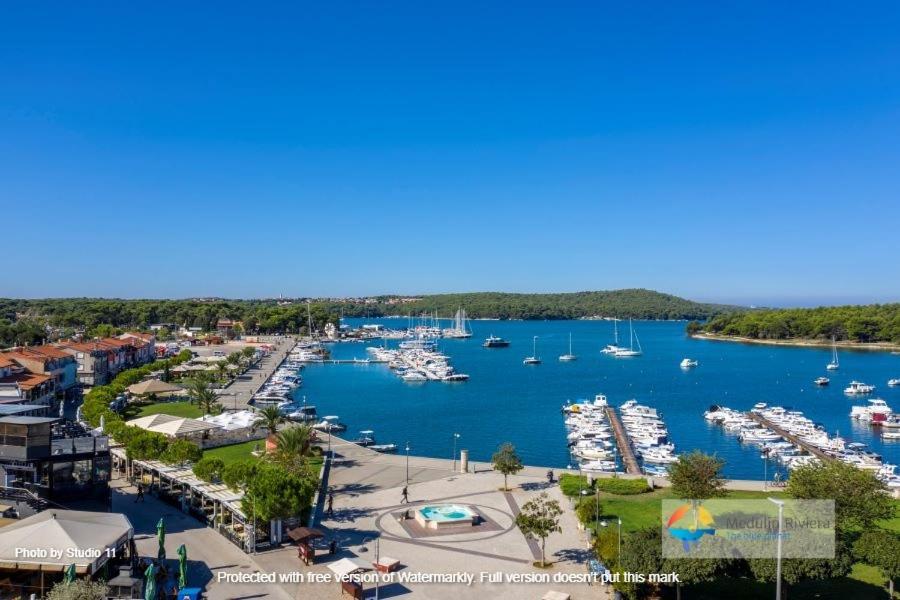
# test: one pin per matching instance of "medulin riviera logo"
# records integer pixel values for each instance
(695, 522)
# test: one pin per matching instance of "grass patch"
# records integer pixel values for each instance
(236, 452)
(176, 409)
(571, 485)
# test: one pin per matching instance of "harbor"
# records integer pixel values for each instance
(623, 443)
(523, 401)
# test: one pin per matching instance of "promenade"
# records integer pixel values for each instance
(238, 394)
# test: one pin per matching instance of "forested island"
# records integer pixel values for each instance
(869, 324)
(624, 304)
(32, 321)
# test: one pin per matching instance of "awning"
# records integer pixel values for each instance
(344, 567)
(302, 534)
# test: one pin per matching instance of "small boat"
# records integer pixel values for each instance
(891, 435)
(688, 363)
(330, 423)
(630, 351)
(822, 381)
(495, 342)
(876, 412)
(534, 359)
(894, 382)
(614, 347)
(366, 438)
(834, 364)
(760, 406)
(568, 357)
(857, 387)
(413, 376)
(456, 377)
(383, 448)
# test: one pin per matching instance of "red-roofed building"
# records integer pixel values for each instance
(47, 360)
(93, 360)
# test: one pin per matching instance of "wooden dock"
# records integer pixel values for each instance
(622, 441)
(789, 436)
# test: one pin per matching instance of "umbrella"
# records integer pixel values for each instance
(70, 573)
(150, 583)
(182, 567)
(161, 535)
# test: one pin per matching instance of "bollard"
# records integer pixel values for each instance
(463, 461)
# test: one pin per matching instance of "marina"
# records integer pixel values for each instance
(623, 443)
(522, 404)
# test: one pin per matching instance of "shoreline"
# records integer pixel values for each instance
(800, 343)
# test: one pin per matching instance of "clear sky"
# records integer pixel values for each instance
(746, 153)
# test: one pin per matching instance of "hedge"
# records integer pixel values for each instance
(622, 487)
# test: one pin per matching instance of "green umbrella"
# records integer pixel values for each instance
(70, 573)
(161, 535)
(182, 567)
(150, 583)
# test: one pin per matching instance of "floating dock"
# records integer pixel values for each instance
(789, 436)
(622, 441)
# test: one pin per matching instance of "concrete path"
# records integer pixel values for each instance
(237, 395)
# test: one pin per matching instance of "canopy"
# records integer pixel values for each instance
(153, 386)
(302, 534)
(344, 567)
(57, 534)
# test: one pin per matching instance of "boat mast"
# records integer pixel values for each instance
(570, 343)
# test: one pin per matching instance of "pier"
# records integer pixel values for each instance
(789, 436)
(622, 441)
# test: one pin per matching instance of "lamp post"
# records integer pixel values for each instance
(780, 505)
(619, 547)
(407, 463)
(455, 437)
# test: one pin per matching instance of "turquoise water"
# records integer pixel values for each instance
(507, 401)
(445, 513)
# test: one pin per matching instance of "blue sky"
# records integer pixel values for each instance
(745, 153)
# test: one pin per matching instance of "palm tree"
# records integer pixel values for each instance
(270, 418)
(196, 386)
(295, 441)
(208, 400)
(222, 367)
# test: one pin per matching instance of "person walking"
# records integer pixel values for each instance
(330, 511)
(405, 494)
(140, 493)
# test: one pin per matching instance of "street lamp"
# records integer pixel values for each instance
(455, 437)
(780, 505)
(407, 464)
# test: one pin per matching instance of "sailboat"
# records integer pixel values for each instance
(630, 351)
(834, 364)
(568, 357)
(613, 348)
(459, 329)
(533, 359)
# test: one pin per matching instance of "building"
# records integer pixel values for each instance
(182, 428)
(144, 346)
(92, 359)
(18, 386)
(51, 361)
(53, 459)
(226, 328)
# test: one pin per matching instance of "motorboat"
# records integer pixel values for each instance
(688, 363)
(859, 388)
(366, 438)
(534, 359)
(894, 382)
(891, 435)
(413, 376)
(822, 381)
(568, 357)
(330, 424)
(495, 342)
(383, 448)
(876, 412)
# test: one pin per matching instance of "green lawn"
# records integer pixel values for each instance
(176, 409)
(243, 451)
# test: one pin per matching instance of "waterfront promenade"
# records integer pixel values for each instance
(238, 394)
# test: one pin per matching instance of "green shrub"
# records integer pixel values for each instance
(587, 510)
(209, 468)
(622, 487)
(606, 544)
(571, 485)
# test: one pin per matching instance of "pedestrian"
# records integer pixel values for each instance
(332, 547)
(330, 511)
(405, 493)
(140, 493)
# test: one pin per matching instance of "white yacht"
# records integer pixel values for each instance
(894, 382)
(630, 351)
(821, 381)
(688, 363)
(413, 376)
(614, 347)
(876, 412)
(859, 388)
(568, 357)
(534, 359)
(834, 364)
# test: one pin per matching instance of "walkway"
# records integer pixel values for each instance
(237, 396)
(622, 441)
(789, 436)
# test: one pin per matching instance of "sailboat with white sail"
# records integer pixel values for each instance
(614, 347)
(834, 365)
(630, 351)
(460, 329)
(534, 359)
(568, 357)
